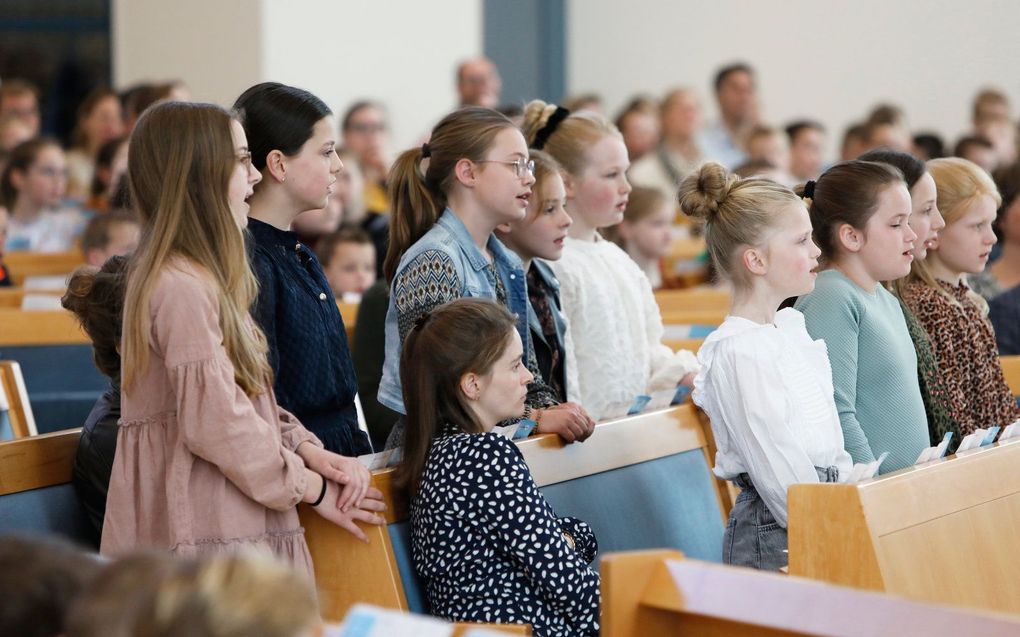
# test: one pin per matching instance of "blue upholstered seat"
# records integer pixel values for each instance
(62, 382)
(47, 511)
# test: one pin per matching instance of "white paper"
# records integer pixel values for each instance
(1011, 431)
(972, 440)
(373, 461)
(45, 302)
(507, 431)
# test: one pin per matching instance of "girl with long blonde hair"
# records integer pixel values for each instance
(206, 461)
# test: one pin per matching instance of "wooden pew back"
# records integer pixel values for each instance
(639, 482)
(1011, 370)
(942, 532)
(15, 401)
(28, 264)
(660, 593)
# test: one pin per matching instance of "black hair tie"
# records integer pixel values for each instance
(426, 152)
(422, 320)
(542, 136)
(809, 189)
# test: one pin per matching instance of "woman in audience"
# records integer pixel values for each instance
(206, 461)
(614, 321)
(32, 188)
(487, 544)
(859, 212)
(292, 138)
(926, 221)
(540, 235)
(646, 232)
(365, 135)
(111, 163)
(764, 382)
(962, 337)
(448, 197)
(100, 120)
(96, 297)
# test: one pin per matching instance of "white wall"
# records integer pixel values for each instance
(403, 53)
(831, 60)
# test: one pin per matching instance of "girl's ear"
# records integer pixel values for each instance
(464, 171)
(470, 386)
(568, 185)
(276, 165)
(850, 237)
(755, 261)
(17, 178)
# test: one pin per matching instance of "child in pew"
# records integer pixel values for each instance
(32, 188)
(348, 260)
(152, 595)
(616, 327)
(114, 233)
(537, 237)
(646, 234)
(40, 578)
(96, 298)
(483, 538)
(292, 139)
(955, 318)
(860, 211)
(764, 382)
(5, 274)
(206, 460)
(448, 198)
(926, 221)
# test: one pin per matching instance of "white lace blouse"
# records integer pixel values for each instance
(614, 339)
(768, 392)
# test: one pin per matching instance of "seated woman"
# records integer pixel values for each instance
(485, 541)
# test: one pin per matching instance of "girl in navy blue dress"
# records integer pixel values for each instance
(484, 540)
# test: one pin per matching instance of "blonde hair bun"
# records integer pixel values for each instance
(703, 193)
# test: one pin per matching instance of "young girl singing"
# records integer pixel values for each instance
(955, 318)
(206, 460)
(448, 197)
(292, 138)
(614, 321)
(484, 539)
(859, 212)
(764, 382)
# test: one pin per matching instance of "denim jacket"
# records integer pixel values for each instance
(463, 275)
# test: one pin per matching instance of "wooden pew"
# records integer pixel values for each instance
(349, 312)
(1011, 370)
(661, 593)
(40, 328)
(693, 299)
(943, 532)
(14, 297)
(669, 444)
(694, 317)
(27, 264)
(15, 398)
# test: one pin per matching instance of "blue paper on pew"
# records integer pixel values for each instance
(524, 429)
(990, 436)
(680, 395)
(638, 405)
(371, 621)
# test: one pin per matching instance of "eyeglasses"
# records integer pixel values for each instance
(521, 166)
(245, 160)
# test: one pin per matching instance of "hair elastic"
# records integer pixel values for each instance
(422, 320)
(809, 190)
(542, 136)
(426, 152)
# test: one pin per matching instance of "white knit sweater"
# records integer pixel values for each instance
(614, 341)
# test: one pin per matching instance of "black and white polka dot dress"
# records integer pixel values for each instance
(490, 548)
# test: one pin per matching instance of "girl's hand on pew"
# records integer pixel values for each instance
(568, 420)
(371, 505)
(355, 477)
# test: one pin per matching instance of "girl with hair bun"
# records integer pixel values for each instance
(860, 212)
(764, 382)
(955, 317)
(615, 325)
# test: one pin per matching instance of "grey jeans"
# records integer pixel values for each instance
(753, 537)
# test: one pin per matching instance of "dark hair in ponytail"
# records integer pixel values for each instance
(847, 193)
(277, 117)
(96, 298)
(459, 337)
(418, 197)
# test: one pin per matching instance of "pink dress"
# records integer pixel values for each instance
(200, 466)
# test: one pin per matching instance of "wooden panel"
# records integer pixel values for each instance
(19, 408)
(1011, 369)
(693, 299)
(37, 461)
(12, 297)
(40, 328)
(657, 593)
(941, 532)
(614, 444)
(694, 317)
(459, 630)
(26, 264)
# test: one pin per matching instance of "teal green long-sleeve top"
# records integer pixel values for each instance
(874, 369)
